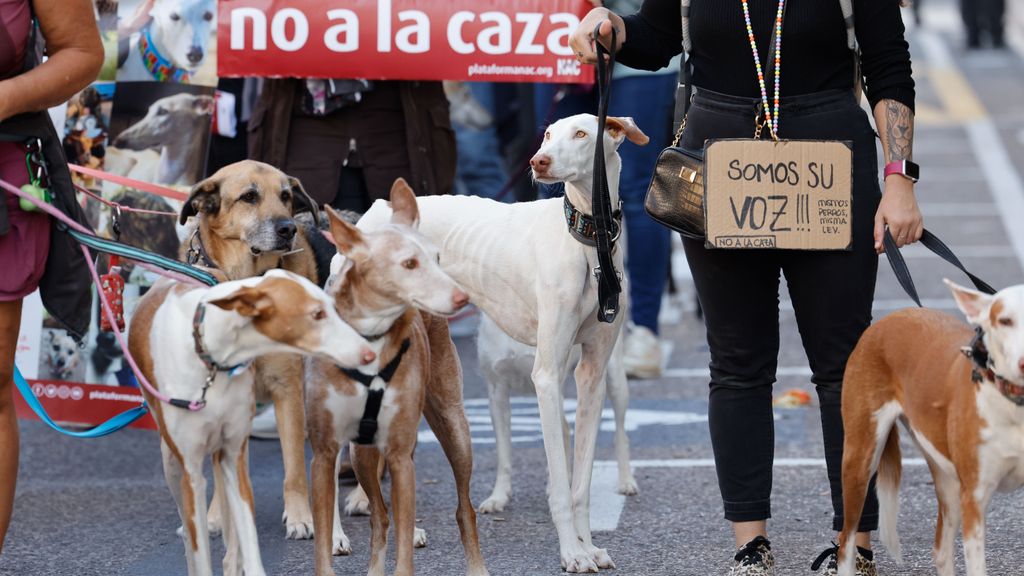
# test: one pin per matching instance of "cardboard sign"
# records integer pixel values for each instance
(792, 194)
(480, 40)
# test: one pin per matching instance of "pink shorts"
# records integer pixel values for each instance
(24, 248)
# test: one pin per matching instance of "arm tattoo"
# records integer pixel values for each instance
(899, 131)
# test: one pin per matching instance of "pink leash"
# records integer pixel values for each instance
(105, 305)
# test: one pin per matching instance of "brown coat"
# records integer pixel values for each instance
(425, 157)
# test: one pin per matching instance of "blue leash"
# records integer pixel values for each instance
(116, 423)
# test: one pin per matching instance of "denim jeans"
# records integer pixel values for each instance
(832, 294)
(480, 171)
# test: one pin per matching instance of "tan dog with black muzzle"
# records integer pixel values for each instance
(244, 224)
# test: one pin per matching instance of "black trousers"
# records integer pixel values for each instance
(831, 291)
(983, 15)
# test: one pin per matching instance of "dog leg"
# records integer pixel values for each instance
(174, 474)
(357, 503)
(366, 461)
(973, 504)
(553, 345)
(403, 504)
(325, 506)
(232, 547)
(590, 390)
(340, 545)
(447, 418)
(618, 390)
(291, 426)
(234, 468)
(193, 488)
(501, 418)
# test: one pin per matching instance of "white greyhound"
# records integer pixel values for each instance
(172, 46)
(524, 269)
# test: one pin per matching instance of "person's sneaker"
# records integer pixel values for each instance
(264, 425)
(754, 559)
(642, 356)
(863, 566)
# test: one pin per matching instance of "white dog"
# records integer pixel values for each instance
(524, 269)
(173, 45)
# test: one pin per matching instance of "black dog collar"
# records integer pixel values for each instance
(983, 370)
(582, 226)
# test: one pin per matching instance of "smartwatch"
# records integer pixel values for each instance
(904, 168)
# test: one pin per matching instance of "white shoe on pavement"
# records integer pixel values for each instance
(642, 356)
(264, 425)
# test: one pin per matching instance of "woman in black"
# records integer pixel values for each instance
(832, 292)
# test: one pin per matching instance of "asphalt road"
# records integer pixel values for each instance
(100, 507)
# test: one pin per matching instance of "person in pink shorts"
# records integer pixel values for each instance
(75, 55)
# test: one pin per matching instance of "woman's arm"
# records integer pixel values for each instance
(75, 57)
(898, 208)
(656, 33)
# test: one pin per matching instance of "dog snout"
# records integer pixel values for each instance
(285, 229)
(195, 55)
(540, 163)
(459, 298)
(368, 355)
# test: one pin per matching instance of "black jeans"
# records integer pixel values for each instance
(832, 293)
(981, 16)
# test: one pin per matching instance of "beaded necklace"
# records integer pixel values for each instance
(771, 117)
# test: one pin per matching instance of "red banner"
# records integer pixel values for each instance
(86, 405)
(479, 40)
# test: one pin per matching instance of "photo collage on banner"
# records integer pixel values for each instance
(147, 117)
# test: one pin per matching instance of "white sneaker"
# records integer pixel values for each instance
(642, 356)
(264, 425)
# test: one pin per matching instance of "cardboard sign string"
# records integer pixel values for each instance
(608, 285)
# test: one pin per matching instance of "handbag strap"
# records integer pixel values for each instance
(608, 285)
(939, 248)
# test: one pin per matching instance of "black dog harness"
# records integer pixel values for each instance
(984, 371)
(375, 394)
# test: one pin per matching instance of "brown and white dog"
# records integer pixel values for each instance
(381, 282)
(230, 325)
(244, 224)
(964, 408)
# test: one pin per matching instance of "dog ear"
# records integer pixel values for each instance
(972, 303)
(204, 198)
(404, 209)
(204, 105)
(620, 127)
(302, 201)
(345, 236)
(247, 301)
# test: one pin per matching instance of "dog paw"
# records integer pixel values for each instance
(213, 528)
(578, 562)
(601, 558)
(341, 546)
(300, 529)
(419, 538)
(496, 503)
(357, 503)
(628, 487)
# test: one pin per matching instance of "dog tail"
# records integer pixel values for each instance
(888, 487)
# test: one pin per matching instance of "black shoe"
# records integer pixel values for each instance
(754, 559)
(863, 566)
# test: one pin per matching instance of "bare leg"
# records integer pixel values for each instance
(10, 323)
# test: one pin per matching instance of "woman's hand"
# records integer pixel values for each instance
(582, 40)
(898, 210)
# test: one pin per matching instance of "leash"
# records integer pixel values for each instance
(129, 182)
(375, 396)
(608, 285)
(939, 248)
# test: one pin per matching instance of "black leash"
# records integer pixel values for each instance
(375, 396)
(608, 285)
(931, 242)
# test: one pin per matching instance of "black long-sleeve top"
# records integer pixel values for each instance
(815, 55)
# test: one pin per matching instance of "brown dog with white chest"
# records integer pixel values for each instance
(388, 285)
(960, 394)
(244, 224)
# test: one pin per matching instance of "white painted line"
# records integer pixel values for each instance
(705, 373)
(965, 252)
(710, 463)
(958, 209)
(1003, 179)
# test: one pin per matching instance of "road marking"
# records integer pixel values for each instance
(607, 504)
(958, 209)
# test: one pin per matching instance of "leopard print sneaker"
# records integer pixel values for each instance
(754, 559)
(864, 564)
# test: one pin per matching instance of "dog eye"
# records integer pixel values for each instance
(581, 134)
(320, 314)
(1006, 322)
(410, 264)
(208, 16)
(286, 196)
(161, 111)
(250, 197)
(175, 16)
